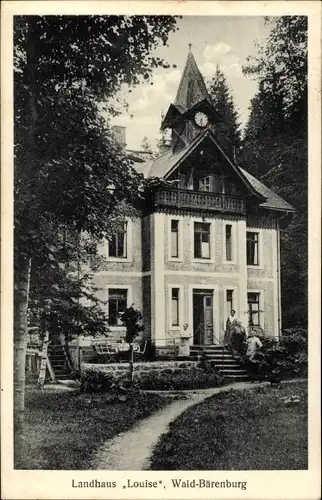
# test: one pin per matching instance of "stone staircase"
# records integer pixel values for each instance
(56, 354)
(223, 360)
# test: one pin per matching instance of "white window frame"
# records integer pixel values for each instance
(181, 297)
(207, 181)
(233, 242)
(180, 239)
(260, 248)
(129, 302)
(236, 304)
(128, 257)
(211, 241)
(261, 305)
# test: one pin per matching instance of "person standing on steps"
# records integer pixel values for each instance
(184, 346)
(253, 345)
(230, 323)
(238, 338)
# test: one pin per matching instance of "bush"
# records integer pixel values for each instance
(184, 379)
(281, 359)
(197, 377)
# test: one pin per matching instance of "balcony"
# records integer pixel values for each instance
(199, 200)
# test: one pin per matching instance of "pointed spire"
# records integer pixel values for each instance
(192, 88)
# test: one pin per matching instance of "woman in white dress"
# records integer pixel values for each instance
(184, 346)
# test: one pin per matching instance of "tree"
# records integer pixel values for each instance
(228, 128)
(69, 174)
(275, 146)
(145, 145)
(132, 320)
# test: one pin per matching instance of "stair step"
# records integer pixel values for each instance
(224, 369)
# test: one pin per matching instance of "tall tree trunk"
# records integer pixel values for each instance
(131, 362)
(22, 285)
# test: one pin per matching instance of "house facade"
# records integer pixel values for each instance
(207, 242)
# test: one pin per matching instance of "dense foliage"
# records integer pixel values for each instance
(69, 175)
(201, 376)
(283, 359)
(275, 147)
(228, 127)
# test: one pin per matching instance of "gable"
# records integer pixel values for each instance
(168, 164)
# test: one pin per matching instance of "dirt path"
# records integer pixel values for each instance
(132, 450)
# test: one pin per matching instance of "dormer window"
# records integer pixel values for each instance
(205, 184)
(212, 183)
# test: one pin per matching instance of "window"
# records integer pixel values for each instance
(253, 309)
(229, 246)
(205, 184)
(175, 238)
(117, 303)
(229, 300)
(175, 307)
(213, 183)
(117, 245)
(252, 249)
(202, 240)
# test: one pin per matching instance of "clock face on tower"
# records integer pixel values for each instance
(201, 119)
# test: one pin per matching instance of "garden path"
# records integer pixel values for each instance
(132, 449)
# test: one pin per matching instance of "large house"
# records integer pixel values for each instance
(207, 243)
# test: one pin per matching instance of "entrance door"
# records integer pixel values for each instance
(203, 317)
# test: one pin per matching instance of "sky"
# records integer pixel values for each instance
(223, 40)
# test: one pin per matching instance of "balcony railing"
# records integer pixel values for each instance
(183, 198)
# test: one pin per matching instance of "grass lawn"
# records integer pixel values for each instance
(239, 430)
(62, 430)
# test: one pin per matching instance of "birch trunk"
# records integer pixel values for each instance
(131, 362)
(22, 285)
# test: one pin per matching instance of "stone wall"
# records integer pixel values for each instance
(120, 370)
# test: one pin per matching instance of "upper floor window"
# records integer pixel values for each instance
(205, 184)
(117, 303)
(213, 183)
(252, 248)
(201, 240)
(253, 309)
(117, 245)
(174, 238)
(230, 300)
(229, 242)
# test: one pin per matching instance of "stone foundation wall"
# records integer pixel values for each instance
(119, 370)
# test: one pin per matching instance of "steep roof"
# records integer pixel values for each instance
(273, 201)
(163, 165)
(192, 88)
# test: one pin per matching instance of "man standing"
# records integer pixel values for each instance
(253, 344)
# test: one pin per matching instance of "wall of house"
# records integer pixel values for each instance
(150, 272)
(216, 274)
(146, 243)
(133, 284)
(133, 261)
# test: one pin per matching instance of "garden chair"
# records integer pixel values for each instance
(105, 350)
(139, 351)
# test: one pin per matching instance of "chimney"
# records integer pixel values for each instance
(119, 135)
(163, 147)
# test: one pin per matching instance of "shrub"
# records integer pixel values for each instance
(189, 378)
(196, 377)
(281, 359)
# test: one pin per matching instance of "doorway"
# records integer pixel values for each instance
(203, 323)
